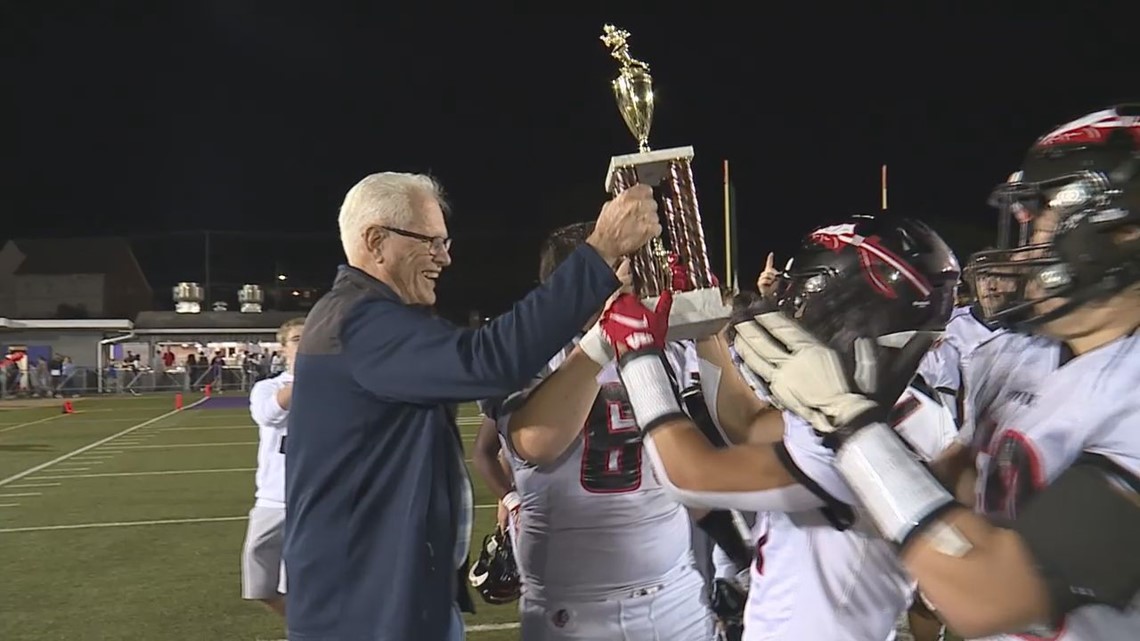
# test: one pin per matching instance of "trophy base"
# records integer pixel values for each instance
(651, 166)
(696, 314)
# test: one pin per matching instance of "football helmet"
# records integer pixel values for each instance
(1078, 184)
(880, 277)
(727, 603)
(496, 575)
(875, 275)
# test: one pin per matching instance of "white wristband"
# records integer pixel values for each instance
(895, 489)
(652, 396)
(511, 500)
(595, 345)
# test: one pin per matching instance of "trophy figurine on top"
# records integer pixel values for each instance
(683, 266)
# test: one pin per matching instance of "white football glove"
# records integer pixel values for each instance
(806, 377)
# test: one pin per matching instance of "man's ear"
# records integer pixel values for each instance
(373, 240)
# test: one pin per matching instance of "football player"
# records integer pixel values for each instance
(262, 571)
(603, 551)
(1051, 410)
(942, 366)
(820, 572)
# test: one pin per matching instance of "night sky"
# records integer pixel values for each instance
(124, 118)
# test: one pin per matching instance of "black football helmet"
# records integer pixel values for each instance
(727, 602)
(496, 575)
(1078, 185)
(882, 277)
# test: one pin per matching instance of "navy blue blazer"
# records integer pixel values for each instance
(372, 461)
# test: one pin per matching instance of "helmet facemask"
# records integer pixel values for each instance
(1061, 255)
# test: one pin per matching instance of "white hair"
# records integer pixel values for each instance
(387, 198)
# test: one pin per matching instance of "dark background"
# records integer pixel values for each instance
(150, 118)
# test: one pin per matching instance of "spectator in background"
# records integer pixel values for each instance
(217, 366)
(67, 372)
(40, 378)
(192, 369)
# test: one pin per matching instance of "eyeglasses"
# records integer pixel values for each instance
(435, 243)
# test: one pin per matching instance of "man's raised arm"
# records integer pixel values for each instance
(402, 353)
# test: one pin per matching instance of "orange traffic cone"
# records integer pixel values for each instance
(67, 408)
(178, 401)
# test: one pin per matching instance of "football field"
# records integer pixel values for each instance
(124, 520)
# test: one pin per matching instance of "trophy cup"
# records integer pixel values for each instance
(682, 266)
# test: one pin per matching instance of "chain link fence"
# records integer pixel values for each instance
(89, 381)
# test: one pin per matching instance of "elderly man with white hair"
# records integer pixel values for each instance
(378, 500)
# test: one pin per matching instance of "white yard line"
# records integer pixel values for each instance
(72, 469)
(13, 496)
(121, 410)
(84, 526)
(215, 427)
(27, 485)
(488, 627)
(121, 419)
(161, 473)
(91, 446)
(42, 420)
(478, 627)
(9, 505)
(163, 447)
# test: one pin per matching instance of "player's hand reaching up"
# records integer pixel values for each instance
(638, 336)
(766, 282)
(630, 326)
(594, 343)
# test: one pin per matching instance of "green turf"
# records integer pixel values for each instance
(145, 582)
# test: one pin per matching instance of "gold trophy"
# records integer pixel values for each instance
(682, 266)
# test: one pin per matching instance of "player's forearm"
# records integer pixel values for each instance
(485, 458)
(980, 578)
(736, 404)
(693, 464)
(993, 587)
(554, 413)
(954, 468)
(488, 467)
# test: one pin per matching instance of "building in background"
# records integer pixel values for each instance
(71, 278)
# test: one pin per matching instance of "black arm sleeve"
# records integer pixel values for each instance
(730, 534)
(1083, 530)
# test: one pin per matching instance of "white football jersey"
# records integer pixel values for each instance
(271, 431)
(813, 581)
(943, 365)
(597, 521)
(1035, 415)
